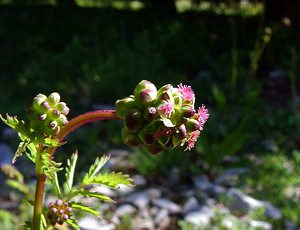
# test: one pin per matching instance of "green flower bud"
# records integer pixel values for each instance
(37, 101)
(145, 94)
(63, 108)
(146, 137)
(154, 148)
(62, 120)
(53, 99)
(150, 113)
(129, 138)
(134, 120)
(54, 114)
(123, 105)
(188, 111)
(192, 125)
(53, 125)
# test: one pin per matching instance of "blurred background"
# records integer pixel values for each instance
(241, 57)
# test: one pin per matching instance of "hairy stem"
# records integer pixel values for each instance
(84, 119)
(39, 192)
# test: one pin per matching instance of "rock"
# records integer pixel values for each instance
(92, 223)
(271, 211)
(6, 154)
(143, 221)
(200, 217)
(139, 180)
(168, 205)
(125, 209)
(125, 189)
(260, 224)
(241, 203)
(204, 185)
(162, 219)
(229, 176)
(142, 199)
(191, 204)
(103, 190)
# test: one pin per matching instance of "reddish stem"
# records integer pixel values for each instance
(84, 119)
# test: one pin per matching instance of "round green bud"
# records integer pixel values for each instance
(62, 120)
(37, 101)
(54, 114)
(53, 99)
(192, 125)
(134, 120)
(145, 94)
(150, 113)
(153, 148)
(63, 108)
(146, 137)
(188, 111)
(129, 138)
(123, 105)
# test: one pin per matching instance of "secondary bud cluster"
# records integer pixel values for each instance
(160, 119)
(58, 212)
(48, 114)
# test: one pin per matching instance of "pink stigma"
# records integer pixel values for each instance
(203, 115)
(167, 109)
(186, 91)
(192, 140)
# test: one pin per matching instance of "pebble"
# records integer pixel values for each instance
(200, 217)
(167, 204)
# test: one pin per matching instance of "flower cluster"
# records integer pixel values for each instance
(48, 114)
(161, 119)
(58, 212)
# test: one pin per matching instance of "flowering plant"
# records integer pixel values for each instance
(154, 119)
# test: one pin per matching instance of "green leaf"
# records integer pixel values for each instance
(85, 208)
(49, 166)
(17, 125)
(111, 179)
(73, 223)
(70, 169)
(96, 195)
(96, 167)
(12, 172)
(55, 185)
(18, 185)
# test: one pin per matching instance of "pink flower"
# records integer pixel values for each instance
(202, 115)
(186, 91)
(166, 109)
(192, 140)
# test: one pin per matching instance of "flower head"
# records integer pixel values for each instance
(162, 119)
(187, 92)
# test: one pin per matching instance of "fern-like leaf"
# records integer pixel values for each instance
(73, 223)
(49, 166)
(18, 125)
(96, 195)
(96, 167)
(55, 185)
(112, 179)
(85, 208)
(70, 170)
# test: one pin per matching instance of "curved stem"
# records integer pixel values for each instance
(84, 119)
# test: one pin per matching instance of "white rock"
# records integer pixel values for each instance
(242, 203)
(103, 190)
(92, 223)
(200, 217)
(167, 204)
(191, 204)
(260, 224)
(139, 199)
(139, 180)
(125, 209)
(162, 219)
